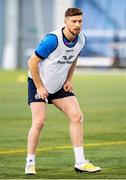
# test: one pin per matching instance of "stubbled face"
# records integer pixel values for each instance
(74, 24)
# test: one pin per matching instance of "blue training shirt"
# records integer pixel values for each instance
(59, 54)
(46, 46)
(50, 43)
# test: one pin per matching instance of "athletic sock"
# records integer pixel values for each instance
(30, 159)
(79, 155)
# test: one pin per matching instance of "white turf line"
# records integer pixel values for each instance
(3, 152)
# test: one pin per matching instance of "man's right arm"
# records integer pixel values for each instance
(43, 50)
(34, 70)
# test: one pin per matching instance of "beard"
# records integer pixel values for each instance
(74, 32)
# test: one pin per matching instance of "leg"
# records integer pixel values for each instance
(38, 118)
(70, 107)
(38, 110)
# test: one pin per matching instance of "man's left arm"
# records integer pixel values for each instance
(68, 85)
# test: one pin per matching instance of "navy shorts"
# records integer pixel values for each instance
(57, 95)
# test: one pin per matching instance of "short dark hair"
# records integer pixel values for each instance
(73, 12)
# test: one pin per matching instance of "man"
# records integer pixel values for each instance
(51, 68)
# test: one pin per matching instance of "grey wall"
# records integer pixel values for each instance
(1, 28)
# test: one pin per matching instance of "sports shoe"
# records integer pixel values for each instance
(30, 169)
(87, 167)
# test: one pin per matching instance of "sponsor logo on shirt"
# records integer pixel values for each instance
(67, 60)
(69, 50)
(68, 57)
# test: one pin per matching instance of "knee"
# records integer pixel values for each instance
(77, 117)
(39, 123)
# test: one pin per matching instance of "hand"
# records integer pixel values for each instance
(68, 86)
(42, 92)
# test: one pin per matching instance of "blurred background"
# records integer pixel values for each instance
(99, 84)
(23, 23)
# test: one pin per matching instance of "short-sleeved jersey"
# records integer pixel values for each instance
(57, 54)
